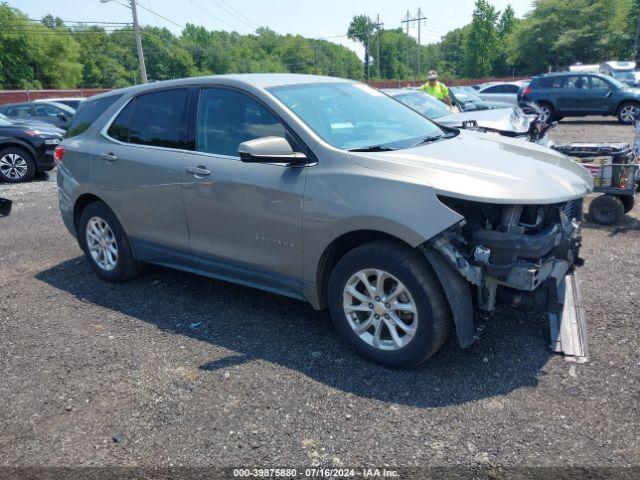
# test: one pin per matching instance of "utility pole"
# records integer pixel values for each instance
(419, 19)
(378, 25)
(136, 31)
(136, 34)
(635, 43)
(406, 20)
(315, 58)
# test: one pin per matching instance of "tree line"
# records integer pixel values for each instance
(51, 54)
(554, 34)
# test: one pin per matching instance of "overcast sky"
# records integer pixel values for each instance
(316, 19)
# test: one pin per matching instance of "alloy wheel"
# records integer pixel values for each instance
(627, 113)
(13, 166)
(380, 309)
(101, 243)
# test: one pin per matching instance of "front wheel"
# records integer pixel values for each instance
(388, 304)
(16, 165)
(627, 112)
(105, 244)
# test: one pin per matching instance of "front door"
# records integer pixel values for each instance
(137, 168)
(245, 219)
(598, 96)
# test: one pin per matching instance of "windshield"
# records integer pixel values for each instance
(424, 104)
(355, 116)
(616, 83)
(624, 75)
(465, 95)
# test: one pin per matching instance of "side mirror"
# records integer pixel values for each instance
(62, 116)
(269, 150)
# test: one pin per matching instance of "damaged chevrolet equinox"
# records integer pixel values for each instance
(328, 191)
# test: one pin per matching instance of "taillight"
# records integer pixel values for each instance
(527, 91)
(57, 154)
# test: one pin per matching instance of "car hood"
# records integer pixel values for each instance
(509, 120)
(35, 125)
(486, 167)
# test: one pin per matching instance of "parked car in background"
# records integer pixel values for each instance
(583, 68)
(621, 71)
(72, 102)
(49, 112)
(500, 92)
(26, 149)
(324, 190)
(510, 121)
(568, 94)
(466, 98)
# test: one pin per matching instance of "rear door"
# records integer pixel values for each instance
(571, 94)
(137, 166)
(245, 219)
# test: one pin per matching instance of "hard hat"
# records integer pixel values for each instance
(432, 75)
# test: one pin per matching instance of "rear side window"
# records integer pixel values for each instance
(157, 118)
(119, 128)
(24, 111)
(88, 112)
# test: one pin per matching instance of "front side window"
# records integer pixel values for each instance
(226, 118)
(46, 111)
(596, 82)
(152, 119)
(354, 116)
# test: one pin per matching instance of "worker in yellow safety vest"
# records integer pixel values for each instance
(435, 88)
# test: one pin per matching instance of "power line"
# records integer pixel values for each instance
(211, 14)
(41, 20)
(239, 13)
(158, 15)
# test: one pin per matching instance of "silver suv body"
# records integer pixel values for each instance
(325, 190)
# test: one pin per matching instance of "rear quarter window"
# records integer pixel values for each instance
(88, 112)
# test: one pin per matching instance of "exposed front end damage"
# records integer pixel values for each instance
(520, 255)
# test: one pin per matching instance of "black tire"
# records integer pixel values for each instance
(126, 266)
(628, 201)
(24, 157)
(410, 268)
(606, 209)
(551, 113)
(621, 114)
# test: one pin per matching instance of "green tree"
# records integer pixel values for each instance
(482, 41)
(360, 31)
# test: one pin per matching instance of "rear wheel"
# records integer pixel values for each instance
(16, 165)
(105, 244)
(387, 303)
(627, 112)
(606, 209)
(628, 201)
(547, 112)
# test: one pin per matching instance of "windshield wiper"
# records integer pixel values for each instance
(372, 148)
(433, 138)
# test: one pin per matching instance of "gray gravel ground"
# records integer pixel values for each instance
(175, 369)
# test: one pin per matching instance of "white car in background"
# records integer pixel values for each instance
(500, 91)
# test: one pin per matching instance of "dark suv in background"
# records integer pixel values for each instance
(578, 94)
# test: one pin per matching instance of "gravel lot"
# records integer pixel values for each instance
(174, 369)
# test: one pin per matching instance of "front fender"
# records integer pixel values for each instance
(363, 199)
